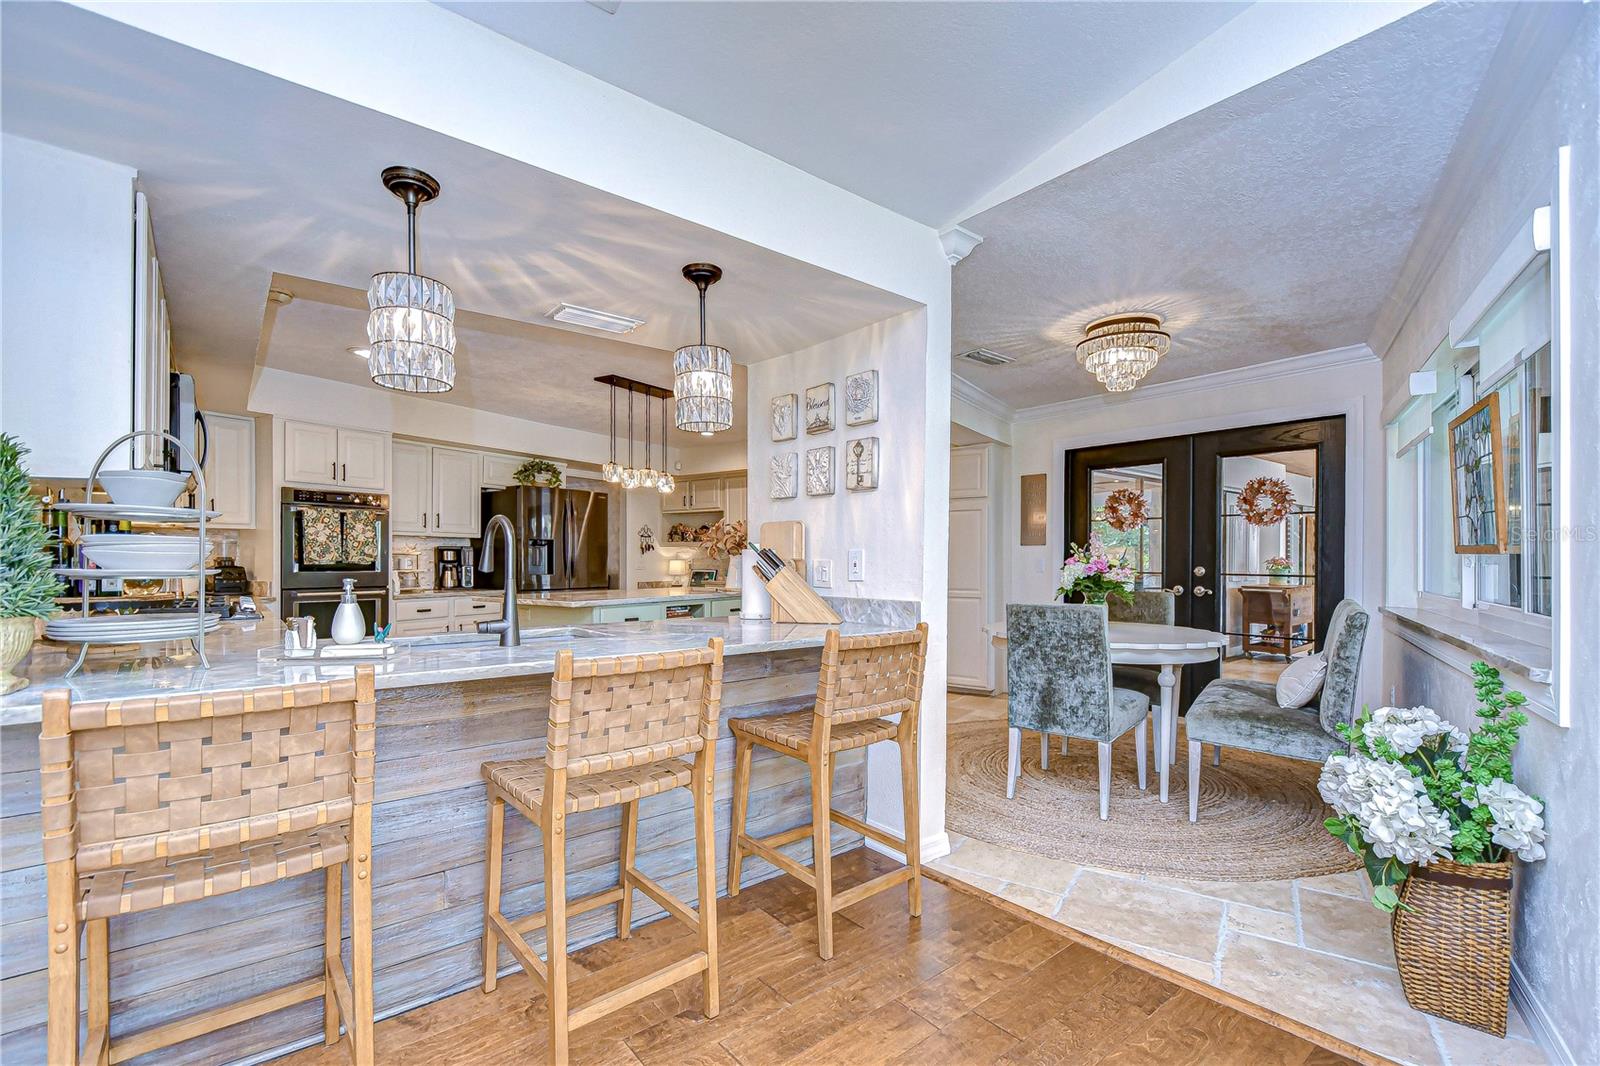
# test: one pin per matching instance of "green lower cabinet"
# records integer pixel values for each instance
(632, 612)
(723, 608)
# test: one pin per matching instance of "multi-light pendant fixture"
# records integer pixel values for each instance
(702, 374)
(630, 476)
(411, 331)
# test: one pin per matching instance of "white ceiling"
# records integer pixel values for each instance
(1268, 226)
(248, 176)
(921, 107)
(506, 367)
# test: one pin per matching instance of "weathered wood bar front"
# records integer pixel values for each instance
(444, 708)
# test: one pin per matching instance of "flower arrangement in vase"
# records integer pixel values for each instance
(1278, 568)
(1090, 573)
(726, 539)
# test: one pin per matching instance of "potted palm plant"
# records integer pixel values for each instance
(28, 587)
(1437, 822)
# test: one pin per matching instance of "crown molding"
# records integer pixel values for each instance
(987, 402)
(958, 242)
(1293, 366)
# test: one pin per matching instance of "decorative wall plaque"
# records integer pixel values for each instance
(819, 471)
(785, 416)
(861, 464)
(861, 398)
(819, 408)
(1034, 510)
(783, 472)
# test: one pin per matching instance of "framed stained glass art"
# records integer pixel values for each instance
(1478, 479)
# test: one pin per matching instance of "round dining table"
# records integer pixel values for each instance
(1169, 647)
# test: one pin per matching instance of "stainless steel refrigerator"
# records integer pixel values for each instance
(561, 538)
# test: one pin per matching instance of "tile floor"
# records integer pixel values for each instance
(1312, 948)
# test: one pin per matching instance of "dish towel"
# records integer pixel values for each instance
(360, 538)
(320, 537)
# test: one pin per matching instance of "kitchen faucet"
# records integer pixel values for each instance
(510, 632)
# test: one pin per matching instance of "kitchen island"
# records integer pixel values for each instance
(620, 605)
(446, 704)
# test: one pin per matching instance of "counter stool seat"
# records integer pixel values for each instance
(145, 886)
(522, 782)
(792, 732)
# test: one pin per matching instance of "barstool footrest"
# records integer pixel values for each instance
(668, 902)
(519, 948)
(647, 985)
(187, 1028)
(857, 893)
(574, 906)
(766, 850)
(870, 832)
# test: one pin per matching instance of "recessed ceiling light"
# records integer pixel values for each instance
(360, 351)
(574, 315)
(707, 433)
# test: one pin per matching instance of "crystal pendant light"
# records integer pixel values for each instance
(1120, 350)
(411, 328)
(630, 476)
(702, 374)
(612, 471)
(666, 483)
(648, 476)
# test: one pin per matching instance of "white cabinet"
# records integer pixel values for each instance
(735, 507)
(230, 469)
(455, 492)
(328, 456)
(706, 494)
(499, 471)
(417, 616)
(969, 472)
(435, 491)
(152, 341)
(411, 500)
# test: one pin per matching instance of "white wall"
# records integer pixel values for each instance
(1557, 956)
(1344, 382)
(66, 322)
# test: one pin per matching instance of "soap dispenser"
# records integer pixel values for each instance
(349, 624)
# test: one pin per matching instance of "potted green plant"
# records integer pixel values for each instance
(1090, 573)
(1437, 822)
(538, 472)
(28, 588)
(1278, 568)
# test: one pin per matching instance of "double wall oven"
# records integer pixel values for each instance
(328, 537)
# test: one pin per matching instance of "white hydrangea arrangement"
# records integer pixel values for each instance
(1414, 788)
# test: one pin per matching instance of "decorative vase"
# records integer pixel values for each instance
(732, 580)
(1452, 941)
(16, 637)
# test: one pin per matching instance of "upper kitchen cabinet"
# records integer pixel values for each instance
(735, 507)
(83, 336)
(436, 491)
(411, 502)
(332, 457)
(706, 494)
(230, 469)
(500, 471)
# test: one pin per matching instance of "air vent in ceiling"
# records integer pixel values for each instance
(985, 357)
(588, 316)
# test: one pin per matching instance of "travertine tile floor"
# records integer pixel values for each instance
(1312, 948)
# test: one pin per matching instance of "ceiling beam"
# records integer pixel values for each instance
(1260, 43)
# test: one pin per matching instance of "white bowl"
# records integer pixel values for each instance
(143, 488)
(144, 551)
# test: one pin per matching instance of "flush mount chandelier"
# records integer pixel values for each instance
(411, 329)
(702, 374)
(1121, 349)
(630, 476)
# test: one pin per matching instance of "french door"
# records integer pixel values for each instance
(1271, 587)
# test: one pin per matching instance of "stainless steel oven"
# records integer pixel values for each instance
(330, 536)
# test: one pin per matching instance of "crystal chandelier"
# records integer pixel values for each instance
(702, 374)
(411, 328)
(1122, 349)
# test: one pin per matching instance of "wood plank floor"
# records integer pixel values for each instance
(967, 983)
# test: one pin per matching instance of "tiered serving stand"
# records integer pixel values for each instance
(88, 631)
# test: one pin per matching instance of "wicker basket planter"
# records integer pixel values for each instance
(1452, 942)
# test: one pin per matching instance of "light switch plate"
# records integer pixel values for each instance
(822, 573)
(857, 566)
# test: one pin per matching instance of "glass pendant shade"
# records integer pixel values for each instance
(648, 478)
(411, 331)
(612, 472)
(702, 388)
(629, 478)
(665, 484)
(1119, 351)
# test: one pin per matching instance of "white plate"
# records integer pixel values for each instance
(147, 573)
(126, 627)
(138, 514)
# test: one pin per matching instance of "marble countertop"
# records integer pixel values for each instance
(249, 654)
(620, 597)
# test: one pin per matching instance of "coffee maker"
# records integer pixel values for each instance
(454, 568)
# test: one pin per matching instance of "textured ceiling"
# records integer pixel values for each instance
(921, 107)
(1268, 226)
(510, 368)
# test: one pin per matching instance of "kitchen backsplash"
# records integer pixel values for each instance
(427, 567)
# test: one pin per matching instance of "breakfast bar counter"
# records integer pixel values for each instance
(446, 704)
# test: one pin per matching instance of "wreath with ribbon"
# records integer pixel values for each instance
(1126, 510)
(1265, 501)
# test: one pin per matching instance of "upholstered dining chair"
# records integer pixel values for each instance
(1154, 607)
(1239, 713)
(1058, 660)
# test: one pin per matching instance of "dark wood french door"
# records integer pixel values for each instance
(1190, 541)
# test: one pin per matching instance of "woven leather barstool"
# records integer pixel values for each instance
(620, 730)
(863, 681)
(154, 802)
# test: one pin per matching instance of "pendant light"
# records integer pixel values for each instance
(648, 476)
(411, 328)
(665, 483)
(702, 374)
(612, 471)
(630, 476)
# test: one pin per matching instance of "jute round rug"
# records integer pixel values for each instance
(1260, 816)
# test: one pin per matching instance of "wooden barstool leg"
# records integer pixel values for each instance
(911, 811)
(99, 982)
(705, 841)
(492, 861)
(360, 1027)
(630, 845)
(61, 1041)
(555, 930)
(332, 951)
(821, 848)
(742, 750)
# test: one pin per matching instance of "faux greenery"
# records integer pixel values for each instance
(1414, 788)
(27, 587)
(531, 471)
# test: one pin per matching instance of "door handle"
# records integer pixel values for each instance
(345, 474)
(1199, 571)
(1176, 590)
(1201, 590)
(334, 474)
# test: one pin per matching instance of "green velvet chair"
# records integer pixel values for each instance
(1238, 713)
(1058, 662)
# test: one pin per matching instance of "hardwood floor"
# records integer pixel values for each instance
(966, 983)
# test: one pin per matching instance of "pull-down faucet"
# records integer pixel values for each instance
(506, 626)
